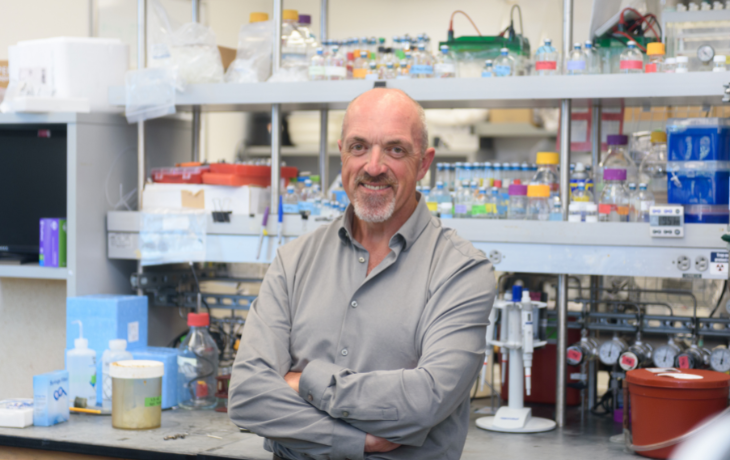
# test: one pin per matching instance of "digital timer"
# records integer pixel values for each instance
(666, 221)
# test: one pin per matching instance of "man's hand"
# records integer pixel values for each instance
(376, 444)
(292, 378)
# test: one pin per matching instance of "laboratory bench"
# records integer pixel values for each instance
(211, 435)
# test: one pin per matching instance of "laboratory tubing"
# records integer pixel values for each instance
(576, 62)
(682, 64)
(646, 201)
(504, 66)
(517, 202)
(197, 365)
(81, 367)
(444, 66)
(613, 206)
(719, 63)
(546, 59)
(632, 61)
(136, 394)
(117, 351)
(656, 52)
(488, 69)
(538, 207)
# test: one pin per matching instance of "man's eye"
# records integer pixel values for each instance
(398, 151)
(357, 148)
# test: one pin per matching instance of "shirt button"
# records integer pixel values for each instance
(345, 414)
(354, 304)
(344, 352)
(361, 259)
(310, 398)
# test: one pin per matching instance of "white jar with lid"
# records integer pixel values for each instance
(670, 65)
(720, 63)
(682, 64)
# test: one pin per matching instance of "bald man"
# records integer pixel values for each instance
(368, 333)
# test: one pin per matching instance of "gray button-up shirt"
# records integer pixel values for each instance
(393, 353)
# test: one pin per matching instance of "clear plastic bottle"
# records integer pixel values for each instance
(646, 201)
(719, 63)
(576, 62)
(488, 69)
(335, 65)
(581, 194)
(579, 175)
(538, 207)
(290, 201)
(653, 169)
(556, 210)
(593, 61)
(403, 71)
(632, 61)
(633, 195)
(682, 64)
(504, 66)
(317, 66)
(497, 172)
(432, 200)
(445, 66)
(493, 204)
(670, 65)
(547, 171)
(117, 351)
(656, 52)
(361, 66)
(197, 364)
(422, 63)
(575, 212)
(591, 213)
(517, 202)
(479, 208)
(295, 54)
(463, 201)
(617, 156)
(613, 206)
(81, 367)
(546, 59)
(445, 203)
(390, 72)
(372, 73)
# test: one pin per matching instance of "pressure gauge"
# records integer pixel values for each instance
(580, 352)
(720, 359)
(693, 358)
(638, 355)
(705, 53)
(611, 350)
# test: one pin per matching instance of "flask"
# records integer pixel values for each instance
(197, 365)
(444, 66)
(488, 70)
(81, 367)
(613, 206)
(653, 169)
(656, 52)
(646, 201)
(576, 62)
(117, 351)
(316, 66)
(538, 207)
(719, 63)
(632, 60)
(546, 59)
(517, 209)
(504, 66)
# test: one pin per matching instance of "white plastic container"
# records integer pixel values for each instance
(719, 63)
(682, 64)
(136, 394)
(75, 69)
(81, 367)
(117, 351)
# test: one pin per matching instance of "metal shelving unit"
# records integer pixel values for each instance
(541, 247)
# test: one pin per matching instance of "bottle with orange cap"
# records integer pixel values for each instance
(656, 52)
(197, 365)
(538, 206)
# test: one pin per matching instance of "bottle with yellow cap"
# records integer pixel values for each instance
(258, 17)
(656, 52)
(547, 170)
(653, 169)
(538, 206)
(294, 58)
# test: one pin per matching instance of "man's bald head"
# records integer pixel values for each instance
(387, 99)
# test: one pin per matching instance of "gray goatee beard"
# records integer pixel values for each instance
(374, 209)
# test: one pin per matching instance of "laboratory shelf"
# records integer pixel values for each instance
(618, 249)
(697, 88)
(33, 271)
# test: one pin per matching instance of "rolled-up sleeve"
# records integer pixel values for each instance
(403, 405)
(261, 401)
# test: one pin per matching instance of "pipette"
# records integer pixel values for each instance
(263, 232)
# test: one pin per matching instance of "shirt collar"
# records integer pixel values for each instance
(408, 233)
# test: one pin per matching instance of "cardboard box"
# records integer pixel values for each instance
(239, 200)
(228, 55)
(511, 116)
(52, 243)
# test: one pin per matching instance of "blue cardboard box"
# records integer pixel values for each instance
(167, 356)
(698, 182)
(698, 139)
(106, 317)
(50, 398)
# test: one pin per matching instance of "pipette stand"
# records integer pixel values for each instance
(515, 417)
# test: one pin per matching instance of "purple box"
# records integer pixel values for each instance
(52, 243)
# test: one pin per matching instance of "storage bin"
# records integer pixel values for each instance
(698, 182)
(698, 139)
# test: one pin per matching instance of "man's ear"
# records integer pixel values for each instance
(425, 162)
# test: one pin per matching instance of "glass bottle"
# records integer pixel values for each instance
(517, 202)
(646, 201)
(479, 208)
(334, 65)
(632, 61)
(403, 71)
(488, 70)
(656, 52)
(613, 206)
(653, 169)
(546, 59)
(633, 195)
(593, 61)
(422, 63)
(581, 194)
(464, 200)
(444, 66)
(316, 66)
(576, 62)
(538, 207)
(197, 365)
(504, 66)
(617, 157)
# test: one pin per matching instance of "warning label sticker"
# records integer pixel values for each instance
(719, 263)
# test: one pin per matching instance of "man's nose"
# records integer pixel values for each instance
(376, 162)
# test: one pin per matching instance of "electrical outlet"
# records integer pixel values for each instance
(701, 263)
(495, 256)
(683, 263)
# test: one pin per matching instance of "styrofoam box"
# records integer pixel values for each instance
(239, 200)
(75, 67)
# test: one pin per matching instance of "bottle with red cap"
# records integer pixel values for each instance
(197, 364)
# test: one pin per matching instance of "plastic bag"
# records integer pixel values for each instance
(253, 57)
(150, 93)
(195, 54)
(173, 236)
